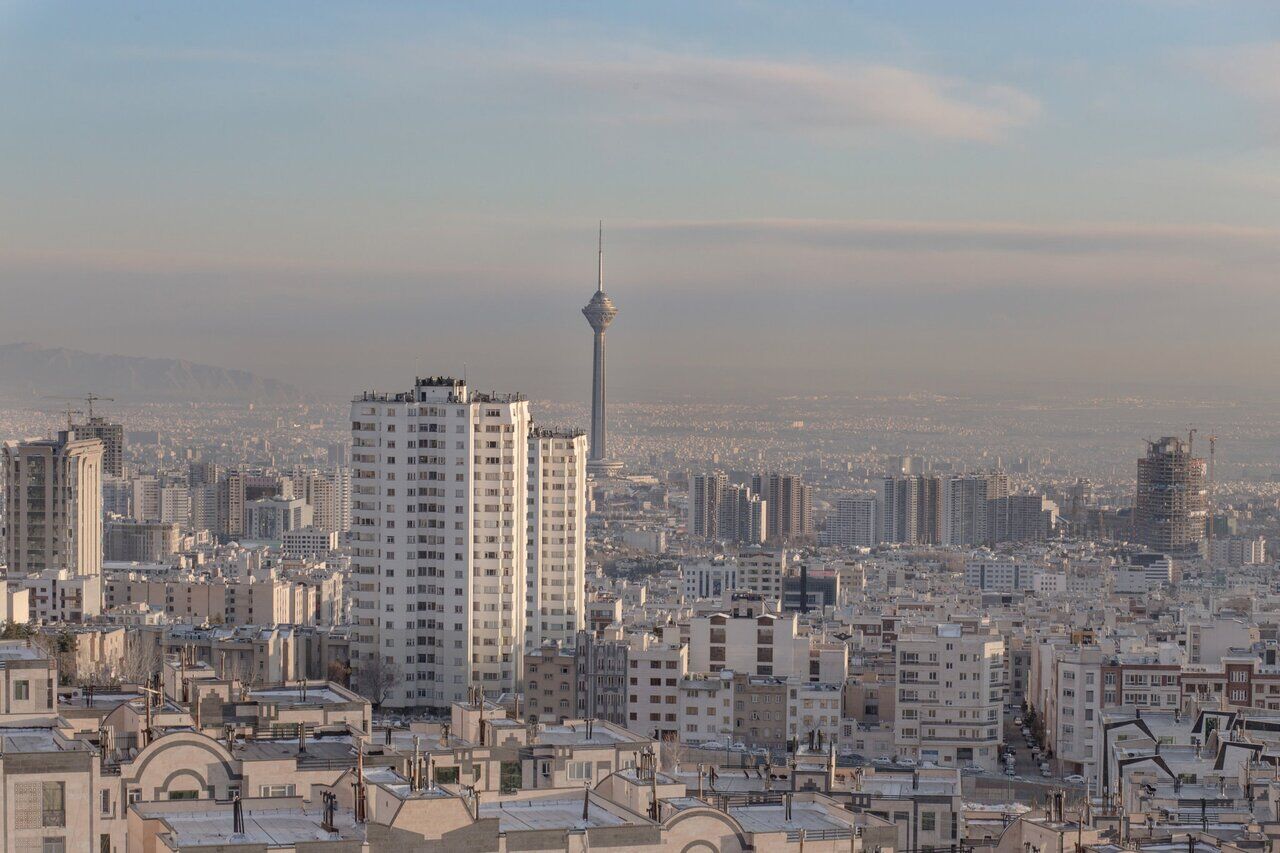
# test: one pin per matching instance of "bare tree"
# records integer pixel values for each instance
(376, 677)
(239, 668)
(339, 673)
(140, 662)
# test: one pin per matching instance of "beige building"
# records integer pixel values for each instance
(762, 572)
(130, 541)
(550, 684)
(557, 537)
(654, 672)
(260, 598)
(53, 505)
(951, 687)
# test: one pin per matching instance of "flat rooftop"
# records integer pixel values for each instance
(19, 650)
(772, 818)
(273, 827)
(29, 739)
(604, 736)
(286, 696)
(551, 813)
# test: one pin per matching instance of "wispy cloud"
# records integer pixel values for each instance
(918, 236)
(827, 98)
(1252, 70)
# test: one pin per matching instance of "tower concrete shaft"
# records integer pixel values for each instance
(599, 312)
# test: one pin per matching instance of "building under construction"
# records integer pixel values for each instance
(1172, 501)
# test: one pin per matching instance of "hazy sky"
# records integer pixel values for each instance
(797, 196)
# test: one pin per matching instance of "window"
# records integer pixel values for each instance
(928, 821)
(579, 771)
(510, 777)
(54, 844)
(186, 795)
(53, 804)
(274, 791)
(21, 690)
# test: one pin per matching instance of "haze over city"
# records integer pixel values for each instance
(699, 427)
(814, 198)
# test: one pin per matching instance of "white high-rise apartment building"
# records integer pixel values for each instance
(439, 523)
(964, 510)
(146, 499)
(329, 495)
(951, 685)
(53, 505)
(854, 523)
(557, 541)
(175, 505)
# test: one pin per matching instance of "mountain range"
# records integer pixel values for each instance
(30, 369)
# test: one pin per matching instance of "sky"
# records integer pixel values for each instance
(798, 198)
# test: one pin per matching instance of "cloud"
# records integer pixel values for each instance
(933, 236)
(827, 99)
(1251, 70)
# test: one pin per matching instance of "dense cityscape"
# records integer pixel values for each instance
(922, 622)
(721, 427)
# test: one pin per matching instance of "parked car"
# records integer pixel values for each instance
(1045, 773)
(1009, 771)
(907, 762)
(1074, 779)
(1017, 721)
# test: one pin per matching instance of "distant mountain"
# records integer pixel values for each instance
(30, 369)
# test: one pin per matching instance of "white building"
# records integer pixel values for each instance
(1050, 583)
(951, 686)
(270, 518)
(146, 499)
(813, 708)
(964, 519)
(990, 573)
(439, 554)
(762, 572)
(309, 541)
(53, 505)
(1238, 551)
(709, 580)
(175, 505)
(557, 540)
(654, 672)
(706, 708)
(854, 524)
(754, 641)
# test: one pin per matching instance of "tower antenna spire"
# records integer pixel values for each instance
(600, 260)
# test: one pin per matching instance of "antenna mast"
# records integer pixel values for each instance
(600, 260)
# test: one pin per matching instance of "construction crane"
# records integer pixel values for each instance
(89, 399)
(70, 420)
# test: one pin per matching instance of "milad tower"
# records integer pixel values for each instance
(599, 312)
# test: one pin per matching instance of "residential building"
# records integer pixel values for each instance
(557, 536)
(439, 528)
(951, 688)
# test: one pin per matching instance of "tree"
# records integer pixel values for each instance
(140, 662)
(15, 631)
(339, 673)
(61, 646)
(376, 677)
